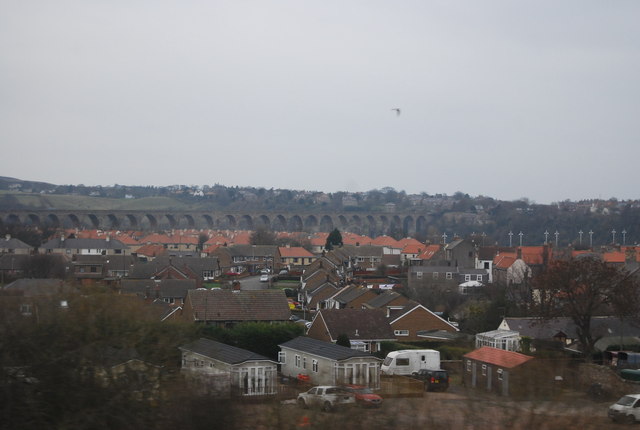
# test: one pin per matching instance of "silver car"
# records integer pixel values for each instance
(326, 397)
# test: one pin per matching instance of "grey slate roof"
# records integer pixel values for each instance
(58, 243)
(226, 305)
(324, 349)
(165, 288)
(349, 293)
(197, 265)
(13, 243)
(13, 261)
(222, 352)
(30, 287)
(358, 324)
(383, 299)
(600, 326)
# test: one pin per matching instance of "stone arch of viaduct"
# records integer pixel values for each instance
(372, 224)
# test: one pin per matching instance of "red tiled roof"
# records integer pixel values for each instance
(413, 248)
(210, 249)
(504, 260)
(242, 238)
(532, 254)
(498, 357)
(294, 251)
(614, 257)
(152, 250)
(156, 238)
(126, 239)
(217, 240)
(355, 239)
(318, 241)
(411, 241)
(386, 241)
(429, 252)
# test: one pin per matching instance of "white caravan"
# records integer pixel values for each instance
(408, 361)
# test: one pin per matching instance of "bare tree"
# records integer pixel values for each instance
(582, 288)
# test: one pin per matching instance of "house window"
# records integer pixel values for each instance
(419, 275)
(282, 357)
(478, 277)
(468, 365)
(467, 277)
(94, 269)
(297, 360)
(304, 362)
(449, 275)
(207, 274)
(435, 275)
(401, 332)
(486, 264)
(499, 371)
(360, 259)
(314, 365)
(25, 309)
(484, 370)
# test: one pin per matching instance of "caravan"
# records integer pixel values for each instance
(409, 361)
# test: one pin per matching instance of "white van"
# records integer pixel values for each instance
(626, 409)
(408, 361)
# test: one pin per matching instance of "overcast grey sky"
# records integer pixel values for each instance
(509, 99)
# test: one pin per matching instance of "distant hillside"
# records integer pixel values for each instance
(12, 200)
(488, 220)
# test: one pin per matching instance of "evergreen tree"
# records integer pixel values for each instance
(334, 239)
(343, 340)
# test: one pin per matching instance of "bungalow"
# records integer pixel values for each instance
(325, 363)
(227, 308)
(226, 371)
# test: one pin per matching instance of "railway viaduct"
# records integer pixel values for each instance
(357, 222)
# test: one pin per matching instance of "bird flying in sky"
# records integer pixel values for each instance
(397, 111)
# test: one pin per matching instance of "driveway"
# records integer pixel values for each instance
(253, 283)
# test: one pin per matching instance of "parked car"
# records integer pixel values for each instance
(365, 397)
(434, 379)
(264, 278)
(627, 409)
(265, 271)
(326, 397)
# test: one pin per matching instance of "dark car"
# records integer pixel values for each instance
(434, 380)
(364, 396)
